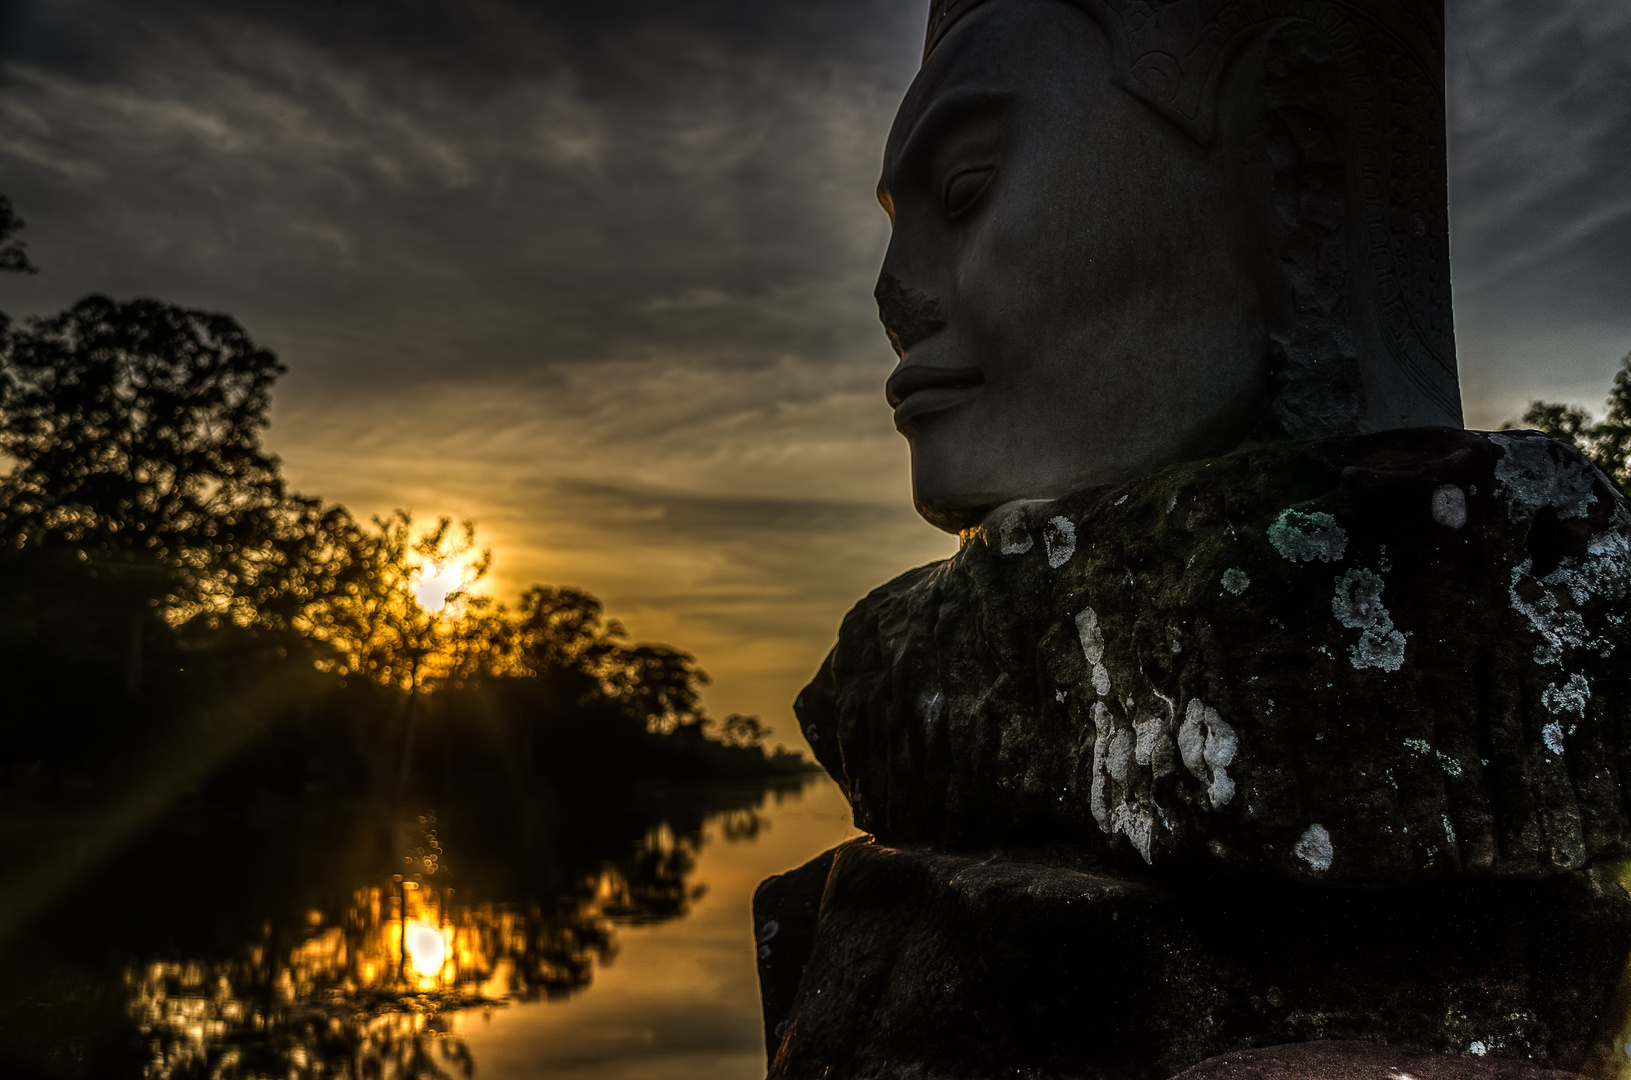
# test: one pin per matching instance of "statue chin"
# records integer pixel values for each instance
(959, 478)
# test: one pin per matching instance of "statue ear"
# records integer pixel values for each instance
(1287, 117)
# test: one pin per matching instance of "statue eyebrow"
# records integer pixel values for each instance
(943, 116)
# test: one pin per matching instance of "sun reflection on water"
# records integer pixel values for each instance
(427, 949)
(368, 990)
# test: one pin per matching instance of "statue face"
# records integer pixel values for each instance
(1071, 285)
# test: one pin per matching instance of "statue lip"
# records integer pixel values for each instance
(909, 379)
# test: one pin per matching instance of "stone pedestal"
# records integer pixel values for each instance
(1310, 742)
(1041, 964)
(1369, 661)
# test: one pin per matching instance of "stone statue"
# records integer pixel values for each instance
(1261, 704)
(1130, 233)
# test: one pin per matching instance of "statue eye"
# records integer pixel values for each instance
(964, 188)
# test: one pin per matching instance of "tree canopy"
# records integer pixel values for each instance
(134, 429)
(144, 527)
(13, 252)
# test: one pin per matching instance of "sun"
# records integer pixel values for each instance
(435, 583)
(427, 948)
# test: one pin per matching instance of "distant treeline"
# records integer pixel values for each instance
(162, 591)
(1607, 442)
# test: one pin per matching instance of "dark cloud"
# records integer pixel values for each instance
(385, 189)
(1540, 125)
(599, 274)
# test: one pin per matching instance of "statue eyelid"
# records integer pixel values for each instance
(964, 187)
(942, 121)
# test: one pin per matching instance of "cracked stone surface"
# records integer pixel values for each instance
(1372, 661)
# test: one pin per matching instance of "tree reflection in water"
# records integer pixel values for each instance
(364, 985)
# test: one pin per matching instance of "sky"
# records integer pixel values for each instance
(599, 275)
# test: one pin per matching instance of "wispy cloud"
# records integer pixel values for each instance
(1540, 128)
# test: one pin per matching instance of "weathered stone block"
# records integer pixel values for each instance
(932, 966)
(786, 908)
(1368, 661)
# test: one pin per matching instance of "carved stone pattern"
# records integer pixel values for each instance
(1175, 52)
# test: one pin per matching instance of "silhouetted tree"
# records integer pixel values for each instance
(139, 511)
(745, 731)
(661, 684)
(1606, 442)
(562, 630)
(134, 432)
(13, 253)
(562, 640)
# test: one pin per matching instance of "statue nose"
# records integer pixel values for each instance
(908, 315)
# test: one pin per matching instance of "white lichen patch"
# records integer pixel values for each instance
(1235, 580)
(1559, 627)
(1315, 848)
(1605, 571)
(1126, 759)
(1207, 745)
(1137, 824)
(1552, 736)
(1572, 698)
(1357, 604)
(1307, 537)
(1450, 506)
(1012, 537)
(1118, 759)
(1092, 639)
(1104, 730)
(1152, 746)
(1549, 603)
(1533, 472)
(1059, 541)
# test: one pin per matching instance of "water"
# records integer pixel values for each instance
(682, 998)
(570, 938)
